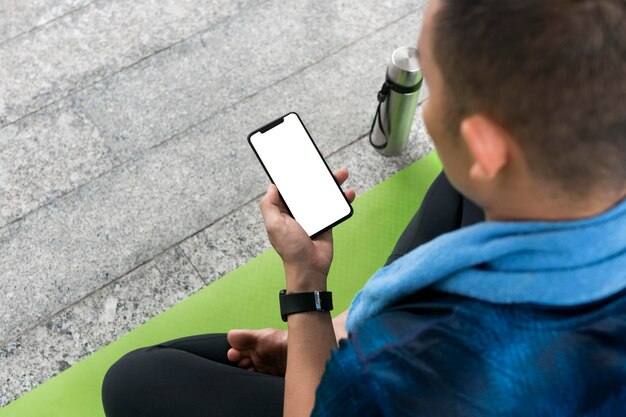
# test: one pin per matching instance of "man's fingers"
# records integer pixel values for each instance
(341, 175)
(245, 363)
(241, 339)
(234, 355)
(271, 207)
(271, 196)
(350, 194)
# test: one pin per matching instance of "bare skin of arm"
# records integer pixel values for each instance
(339, 323)
(310, 340)
(300, 353)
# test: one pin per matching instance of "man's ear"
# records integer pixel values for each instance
(486, 142)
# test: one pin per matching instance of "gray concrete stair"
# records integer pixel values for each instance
(126, 181)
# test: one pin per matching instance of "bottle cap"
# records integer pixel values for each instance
(404, 68)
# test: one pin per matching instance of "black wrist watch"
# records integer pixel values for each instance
(304, 301)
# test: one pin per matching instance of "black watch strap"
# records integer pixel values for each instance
(304, 301)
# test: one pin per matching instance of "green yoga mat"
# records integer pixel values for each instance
(248, 296)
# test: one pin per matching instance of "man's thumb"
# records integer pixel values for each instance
(242, 339)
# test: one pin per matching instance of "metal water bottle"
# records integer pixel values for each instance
(397, 101)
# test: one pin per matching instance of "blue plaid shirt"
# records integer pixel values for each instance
(436, 354)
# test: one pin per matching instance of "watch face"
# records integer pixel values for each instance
(318, 302)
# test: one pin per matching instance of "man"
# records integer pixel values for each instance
(524, 314)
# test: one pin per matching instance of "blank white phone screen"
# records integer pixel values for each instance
(297, 169)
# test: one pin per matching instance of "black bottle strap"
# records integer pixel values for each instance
(387, 87)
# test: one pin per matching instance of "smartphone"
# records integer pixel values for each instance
(305, 183)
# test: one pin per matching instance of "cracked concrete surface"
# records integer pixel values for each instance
(126, 182)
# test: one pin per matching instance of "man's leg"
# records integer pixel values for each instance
(193, 377)
(189, 377)
(443, 210)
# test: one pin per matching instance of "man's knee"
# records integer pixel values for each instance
(123, 383)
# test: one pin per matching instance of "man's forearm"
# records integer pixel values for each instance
(310, 339)
(309, 343)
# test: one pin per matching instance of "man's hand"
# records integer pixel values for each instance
(263, 351)
(311, 334)
(305, 259)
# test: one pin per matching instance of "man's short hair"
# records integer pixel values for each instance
(553, 72)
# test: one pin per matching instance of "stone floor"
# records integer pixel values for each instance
(126, 181)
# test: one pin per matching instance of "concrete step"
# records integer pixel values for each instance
(171, 276)
(133, 187)
(70, 143)
(100, 39)
(18, 18)
(80, 242)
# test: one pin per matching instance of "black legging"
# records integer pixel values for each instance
(192, 377)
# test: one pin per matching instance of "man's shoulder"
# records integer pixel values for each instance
(400, 324)
(469, 355)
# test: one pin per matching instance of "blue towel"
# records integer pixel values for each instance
(552, 263)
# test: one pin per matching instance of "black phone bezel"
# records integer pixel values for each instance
(277, 122)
